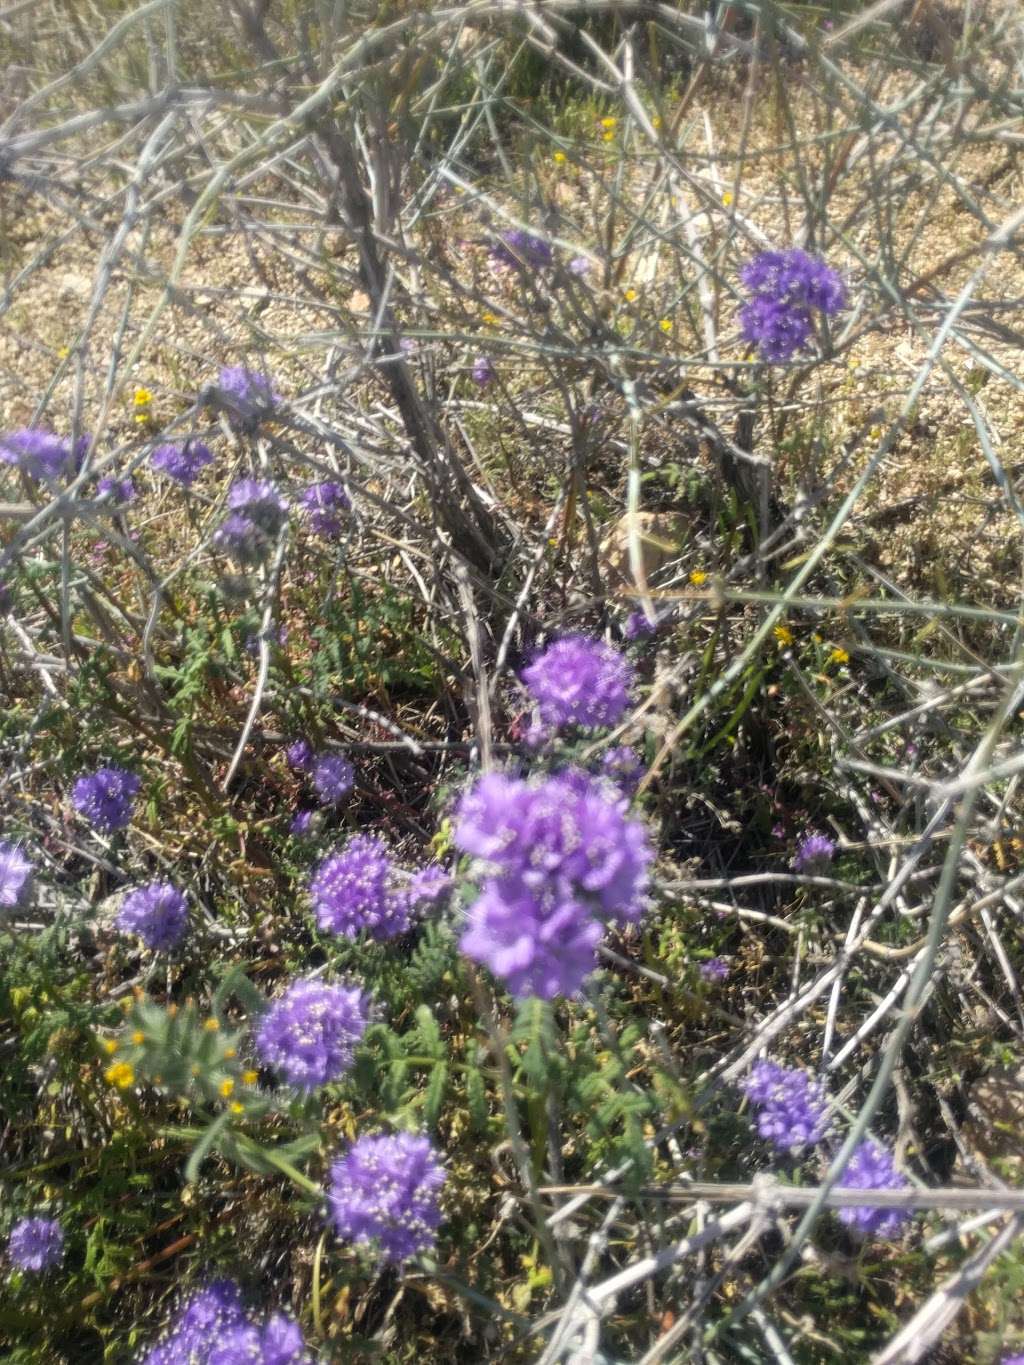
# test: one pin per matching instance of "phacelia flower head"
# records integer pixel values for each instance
(299, 755)
(792, 1109)
(385, 1191)
(36, 1243)
(623, 766)
(638, 626)
(301, 823)
(483, 371)
(580, 681)
(871, 1167)
(1012, 1360)
(356, 890)
(324, 505)
(311, 1033)
(714, 969)
(39, 454)
(561, 858)
(517, 249)
(333, 778)
(105, 798)
(157, 912)
(812, 852)
(786, 286)
(202, 1324)
(182, 463)
(256, 514)
(248, 395)
(428, 885)
(16, 874)
(116, 491)
(278, 1342)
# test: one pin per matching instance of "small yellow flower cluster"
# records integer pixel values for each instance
(839, 656)
(697, 577)
(629, 295)
(783, 635)
(558, 157)
(120, 1074)
(665, 324)
(143, 403)
(608, 125)
(727, 199)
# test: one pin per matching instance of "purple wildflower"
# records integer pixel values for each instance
(301, 823)
(580, 681)
(714, 969)
(639, 626)
(323, 504)
(300, 755)
(279, 1342)
(36, 1243)
(871, 1167)
(37, 453)
(786, 286)
(16, 874)
(483, 371)
(623, 766)
(105, 797)
(157, 912)
(117, 491)
(355, 890)
(792, 1110)
(256, 514)
(428, 885)
(202, 1324)
(517, 249)
(333, 778)
(1012, 1360)
(385, 1190)
(182, 463)
(311, 1033)
(580, 265)
(812, 852)
(248, 395)
(563, 856)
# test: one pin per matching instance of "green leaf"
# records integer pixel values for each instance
(202, 1148)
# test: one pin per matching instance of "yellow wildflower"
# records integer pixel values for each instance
(629, 295)
(488, 318)
(839, 656)
(120, 1074)
(110, 1045)
(783, 634)
(250, 1077)
(211, 1025)
(697, 577)
(63, 353)
(143, 397)
(665, 324)
(608, 123)
(607, 137)
(656, 121)
(138, 1037)
(237, 1108)
(559, 157)
(230, 1052)
(226, 1087)
(727, 199)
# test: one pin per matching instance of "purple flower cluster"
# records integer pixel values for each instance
(385, 1191)
(786, 287)
(483, 371)
(333, 778)
(580, 681)
(323, 505)
(518, 248)
(715, 969)
(15, 877)
(256, 513)
(356, 890)
(428, 885)
(311, 1033)
(638, 626)
(182, 463)
(36, 1243)
(561, 858)
(157, 912)
(117, 491)
(248, 395)
(792, 1109)
(1012, 1360)
(105, 798)
(812, 852)
(871, 1167)
(299, 755)
(623, 766)
(212, 1329)
(37, 453)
